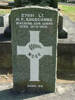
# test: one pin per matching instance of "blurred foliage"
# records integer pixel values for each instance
(52, 3)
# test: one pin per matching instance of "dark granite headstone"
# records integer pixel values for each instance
(34, 46)
(51, 3)
(62, 33)
(1, 21)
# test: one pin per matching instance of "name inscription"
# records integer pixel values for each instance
(33, 21)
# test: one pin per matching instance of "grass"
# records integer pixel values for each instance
(68, 11)
(10, 0)
(4, 11)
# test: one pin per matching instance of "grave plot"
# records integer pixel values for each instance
(34, 46)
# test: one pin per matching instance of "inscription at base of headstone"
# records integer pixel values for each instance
(34, 46)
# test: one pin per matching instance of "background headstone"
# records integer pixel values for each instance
(52, 3)
(7, 30)
(34, 46)
(62, 32)
(1, 21)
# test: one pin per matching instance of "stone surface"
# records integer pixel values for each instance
(60, 25)
(6, 20)
(70, 26)
(62, 32)
(7, 26)
(6, 23)
(66, 61)
(7, 32)
(5, 55)
(1, 21)
(52, 3)
(66, 50)
(34, 43)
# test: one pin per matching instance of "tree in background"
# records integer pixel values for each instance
(52, 3)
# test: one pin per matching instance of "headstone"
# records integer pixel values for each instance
(60, 25)
(7, 26)
(34, 46)
(1, 21)
(6, 20)
(62, 32)
(51, 3)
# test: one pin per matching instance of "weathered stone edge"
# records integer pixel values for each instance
(46, 7)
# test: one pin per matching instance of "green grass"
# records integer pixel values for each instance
(68, 10)
(10, 0)
(4, 11)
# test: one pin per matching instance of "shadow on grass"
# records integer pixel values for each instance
(11, 95)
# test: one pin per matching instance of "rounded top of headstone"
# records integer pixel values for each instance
(28, 7)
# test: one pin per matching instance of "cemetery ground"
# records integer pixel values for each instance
(65, 87)
(64, 90)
